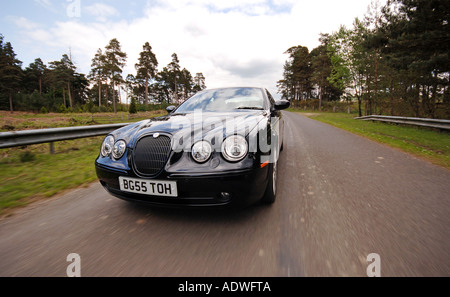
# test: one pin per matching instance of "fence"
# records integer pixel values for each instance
(29, 137)
(421, 122)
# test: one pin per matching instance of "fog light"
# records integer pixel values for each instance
(225, 195)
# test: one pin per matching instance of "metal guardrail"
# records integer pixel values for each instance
(29, 137)
(422, 122)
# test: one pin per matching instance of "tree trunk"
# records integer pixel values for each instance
(70, 96)
(64, 97)
(368, 105)
(106, 100)
(320, 98)
(358, 93)
(120, 94)
(320, 93)
(10, 102)
(359, 107)
(433, 101)
(391, 95)
(99, 92)
(113, 96)
(375, 95)
(146, 90)
(40, 85)
(176, 91)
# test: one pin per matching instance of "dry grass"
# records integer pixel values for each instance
(26, 120)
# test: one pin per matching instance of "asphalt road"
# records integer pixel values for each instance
(341, 198)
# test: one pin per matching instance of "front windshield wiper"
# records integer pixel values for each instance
(250, 107)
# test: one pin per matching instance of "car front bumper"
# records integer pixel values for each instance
(231, 188)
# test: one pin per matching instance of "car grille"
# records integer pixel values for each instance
(151, 154)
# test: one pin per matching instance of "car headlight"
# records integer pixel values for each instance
(201, 151)
(234, 148)
(119, 149)
(107, 146)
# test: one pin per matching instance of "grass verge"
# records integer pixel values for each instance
(26, 120)
(31, 173)
(430, 145)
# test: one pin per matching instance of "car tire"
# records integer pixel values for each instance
(271, 190)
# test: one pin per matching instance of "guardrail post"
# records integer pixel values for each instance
(52, 148)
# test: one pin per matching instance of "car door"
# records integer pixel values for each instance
(277, 125)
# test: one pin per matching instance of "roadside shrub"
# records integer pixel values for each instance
(27, 156)
(95, 109)
(132, 109)
(62, 109)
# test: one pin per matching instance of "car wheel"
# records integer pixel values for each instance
(271, 190)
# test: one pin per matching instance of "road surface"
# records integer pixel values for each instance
(341, 198)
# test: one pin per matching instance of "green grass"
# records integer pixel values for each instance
(32, 173)
(431, 145)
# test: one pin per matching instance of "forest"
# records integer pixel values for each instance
(393, 61)
(59, 87)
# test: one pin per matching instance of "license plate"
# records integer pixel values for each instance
(148, 187)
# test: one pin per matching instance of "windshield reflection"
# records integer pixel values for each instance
(224, 100)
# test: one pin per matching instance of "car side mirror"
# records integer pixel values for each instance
(282, 104)
(170, 108)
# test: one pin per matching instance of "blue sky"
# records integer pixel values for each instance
(232, 42)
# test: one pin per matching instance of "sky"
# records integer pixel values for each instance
(232, 42)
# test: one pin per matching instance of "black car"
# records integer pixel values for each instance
(219, 148)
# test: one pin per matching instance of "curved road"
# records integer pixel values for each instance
(341, 198)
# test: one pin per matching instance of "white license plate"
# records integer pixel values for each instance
(148, 187)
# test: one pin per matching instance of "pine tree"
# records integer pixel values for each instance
(199, 80)
(10, 72)
(174, 75)
(417, 45)
(321, 68)
(186, 83)
(115, 60)
(98, 72)
(62, 75)
(34, 75)
(296, 83)
(147, 67)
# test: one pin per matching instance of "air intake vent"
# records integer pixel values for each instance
(151, 154)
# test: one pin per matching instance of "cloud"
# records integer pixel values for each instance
(47, 4)
(23, 23)
(101, 11)
(230, 42)
(251, 69)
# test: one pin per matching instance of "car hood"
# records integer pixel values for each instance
(194, 125)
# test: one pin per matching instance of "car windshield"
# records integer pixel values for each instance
(222, 100)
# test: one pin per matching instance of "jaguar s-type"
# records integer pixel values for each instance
(218, 148)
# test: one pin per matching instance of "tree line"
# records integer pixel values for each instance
(59, 87)
(393, 61)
